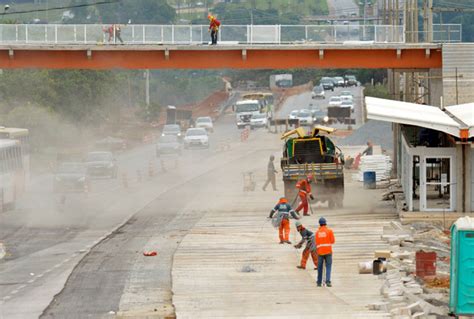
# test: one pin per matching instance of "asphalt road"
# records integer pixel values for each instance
(45, 239)
(304, 101)
(342, 7)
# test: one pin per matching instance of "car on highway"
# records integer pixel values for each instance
(347, 98)
(70, 177)
(320, 116)
(327, 83)
(339, 81)
(349, 104)
(205, 122)
(318, 92)
(168, 145)
(305, 117)
(101, 164)
(196, 137)
(171, 129)
(335, 101)
(351, 80)
(293, 115)
(345, 94)
(258, 120)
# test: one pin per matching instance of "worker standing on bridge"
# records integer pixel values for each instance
(324, 241)
(304, 191)
(271, 171)
(310, 249)
(282, 219)
(214, 25)
(118, 33)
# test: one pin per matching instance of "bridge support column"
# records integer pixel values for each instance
(435, 85)
(394, 90)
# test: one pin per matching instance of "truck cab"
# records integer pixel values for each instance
(244, 110)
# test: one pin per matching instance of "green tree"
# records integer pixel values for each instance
(138, 12)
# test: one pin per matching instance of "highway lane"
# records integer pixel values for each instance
(342, 7)
(116, 278)
(45, 240)
(304, 101)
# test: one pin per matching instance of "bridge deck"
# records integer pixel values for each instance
(226, 55)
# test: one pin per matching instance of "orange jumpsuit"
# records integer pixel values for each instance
(310, 248)
(285, 210)
(304, 190)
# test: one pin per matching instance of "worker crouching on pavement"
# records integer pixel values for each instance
(310, 249)
(304, 191)
(281, 220)
(324, 241)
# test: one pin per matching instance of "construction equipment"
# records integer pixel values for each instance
(314, 155)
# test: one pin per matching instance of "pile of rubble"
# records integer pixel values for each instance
(407, 295)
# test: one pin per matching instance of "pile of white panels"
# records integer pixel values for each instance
(380, 164)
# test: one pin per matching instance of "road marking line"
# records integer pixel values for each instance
(7, 297)
(66, 260)
(14, 292)
(21, 287)
(31, 281)
(41, 275)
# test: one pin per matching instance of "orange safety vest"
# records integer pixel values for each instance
(324, 240)
(303, 186)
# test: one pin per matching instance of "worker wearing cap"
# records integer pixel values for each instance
(214, 25)
(282, 219)
(310, 249)
(324, 241)
(304, 191)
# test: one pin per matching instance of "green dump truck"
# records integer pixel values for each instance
(316, 155)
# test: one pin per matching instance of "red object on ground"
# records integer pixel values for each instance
(150, 253)
(425, 264)
(356, 162)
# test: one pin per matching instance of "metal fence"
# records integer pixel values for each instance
(194, 34)
(230, 34)
(442, 33)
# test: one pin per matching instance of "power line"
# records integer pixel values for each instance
(61, 8)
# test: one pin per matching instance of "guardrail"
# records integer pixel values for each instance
(194, 34)
(129, 34)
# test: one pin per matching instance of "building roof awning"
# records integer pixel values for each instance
(464, 112)
(455, 122)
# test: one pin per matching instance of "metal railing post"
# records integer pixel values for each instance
(143, 35)
(133, 33)
(190, 34)
(202, 37)
(26, 33)
(16, 32)
(335, 33)
(306, 33)
(172, 34)
(279, 34)
(75, 33)
(85, 33)
(375, 33)
(55, 33)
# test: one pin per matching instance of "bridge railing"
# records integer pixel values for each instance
(195, 34)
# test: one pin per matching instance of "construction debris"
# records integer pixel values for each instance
(380, 164)
(407, 295)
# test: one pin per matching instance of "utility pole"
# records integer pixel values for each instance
(147, 87)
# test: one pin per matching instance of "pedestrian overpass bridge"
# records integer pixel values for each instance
(240, 47)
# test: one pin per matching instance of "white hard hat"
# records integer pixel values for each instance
(298, 223)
